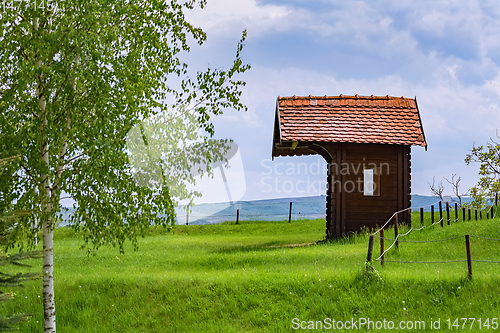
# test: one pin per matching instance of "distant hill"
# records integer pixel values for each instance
(269, 209)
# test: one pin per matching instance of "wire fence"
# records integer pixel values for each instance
(270, 210)
(490, 212)
(286, 210)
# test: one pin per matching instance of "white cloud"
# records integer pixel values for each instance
(494, 85)
(454, 116)
(457, 84)
(223, 17)
(440, 17)
(392, 28)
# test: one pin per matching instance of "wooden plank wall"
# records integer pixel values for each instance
(370, 211)
(407, 183)
(330, 152)
(347, 209)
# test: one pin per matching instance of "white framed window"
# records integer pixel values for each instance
(371, 182)
(368, 185)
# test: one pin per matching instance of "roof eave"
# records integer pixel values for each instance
(277, 125)
(421, 125)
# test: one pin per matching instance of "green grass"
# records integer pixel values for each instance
(254, 277)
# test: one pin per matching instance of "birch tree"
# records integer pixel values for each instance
(75, 77)
(489, 171)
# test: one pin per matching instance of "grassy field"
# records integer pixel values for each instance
(259, 276)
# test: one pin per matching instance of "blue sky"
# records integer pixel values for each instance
(444, 52)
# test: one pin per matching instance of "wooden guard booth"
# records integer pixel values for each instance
(366, 142)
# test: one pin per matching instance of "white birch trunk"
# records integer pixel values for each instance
(35, 239)
(49, 305)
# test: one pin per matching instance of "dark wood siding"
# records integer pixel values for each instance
(407, 183)
(370, 211)
(330, 152)
(348, 209)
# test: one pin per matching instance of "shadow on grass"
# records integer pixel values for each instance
(269, 246)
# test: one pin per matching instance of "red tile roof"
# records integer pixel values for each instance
(356, 119)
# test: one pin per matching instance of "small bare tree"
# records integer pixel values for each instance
(456, 183)
(438, 189)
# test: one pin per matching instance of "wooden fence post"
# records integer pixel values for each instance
(476, 214)
(237, 215)
(441, 213)
(448, 212)
(456, 212)
(469, 257)
(463, 214)
(290, 213)
(382, 247)
(421, 215)
(496, 199)
(469, 214)
(432, 214)
(480, 214)
(370, 249)
(187, 215)
(396, 231)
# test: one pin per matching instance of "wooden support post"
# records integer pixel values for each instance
(382, 247)
(469, 257)
(421, 215)
(469, 214)
(480, 214)
(290, 213)
(370, 249)
(432, 214)
(396, 231)
(496, 199)
(456, 212)
(448, 213)
(237, 215)
(441, 213)
(463, 214)
(187, 215)
(476, 214)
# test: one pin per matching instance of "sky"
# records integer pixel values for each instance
(445, 53)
